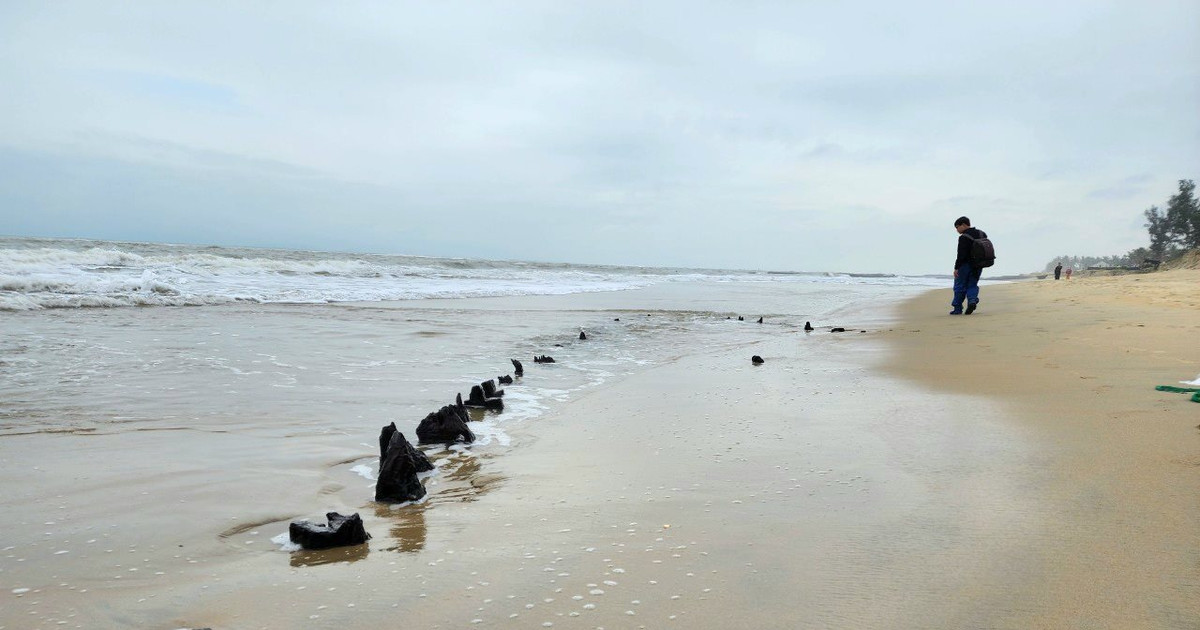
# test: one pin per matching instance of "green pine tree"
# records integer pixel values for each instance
(1182, 218)
(1160, 232)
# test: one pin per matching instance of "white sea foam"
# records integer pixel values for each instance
(364, 471)
(489, 431)
(285, 543)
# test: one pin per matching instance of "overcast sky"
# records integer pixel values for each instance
(795, 135)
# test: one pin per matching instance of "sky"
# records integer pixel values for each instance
(806, 136)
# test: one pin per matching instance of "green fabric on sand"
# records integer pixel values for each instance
(1178, 390)
(1181, 390)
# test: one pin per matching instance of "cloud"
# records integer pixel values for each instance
(769, 134)
(1127, 188)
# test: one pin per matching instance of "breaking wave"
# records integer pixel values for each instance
(63, 273)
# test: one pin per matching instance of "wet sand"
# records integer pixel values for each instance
(852, 481)
(706, 493)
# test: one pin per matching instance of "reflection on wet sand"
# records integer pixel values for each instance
(459, 479)
(408, 531)
(312, 558)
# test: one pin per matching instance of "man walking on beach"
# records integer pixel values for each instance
(966, 272)
(1057, 271)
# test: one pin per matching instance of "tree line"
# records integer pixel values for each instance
(1172, 231)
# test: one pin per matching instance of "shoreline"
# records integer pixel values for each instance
(705, 492)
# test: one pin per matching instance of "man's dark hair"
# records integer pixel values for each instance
(962, 221)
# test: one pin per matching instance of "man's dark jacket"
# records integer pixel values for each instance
(964, 245)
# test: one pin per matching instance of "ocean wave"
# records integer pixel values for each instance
(110, 274)
(42, 273)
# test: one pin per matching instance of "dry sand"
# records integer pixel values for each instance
(1074, 363)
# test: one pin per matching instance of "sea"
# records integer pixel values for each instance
(110, 336)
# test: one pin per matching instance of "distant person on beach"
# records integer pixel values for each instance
(1068, 273)
(1058, 271)
(966, 274)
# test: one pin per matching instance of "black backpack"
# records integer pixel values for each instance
(983, 254)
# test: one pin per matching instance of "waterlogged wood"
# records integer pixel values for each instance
(398, 468)
(447, 425)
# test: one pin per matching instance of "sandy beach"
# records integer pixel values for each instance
(854, 480)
